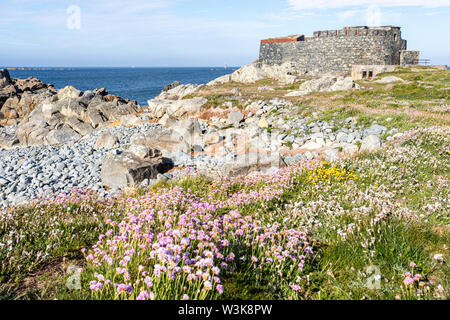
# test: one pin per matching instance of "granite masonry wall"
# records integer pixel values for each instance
(408, 57)
(336, 51)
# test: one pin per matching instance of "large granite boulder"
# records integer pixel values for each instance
(62, 135)
(7, 88)
(235, 117)
(186, 127)
(7, 142)
(370, 144)
(106, 140)
(128, 169)
(166, 140)
(5, 78)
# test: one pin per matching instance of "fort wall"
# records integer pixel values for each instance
(337, 50)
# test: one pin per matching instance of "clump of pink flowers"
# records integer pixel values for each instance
(174, 244)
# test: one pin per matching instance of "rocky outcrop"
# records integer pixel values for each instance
(284, 73)
(40, 107)
(177, 91)
(68, 114)
(5, 78)
(171, 103)
(18, 97)
(106, 140)
(324, 84)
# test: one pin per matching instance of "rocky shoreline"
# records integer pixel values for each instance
(52, 141)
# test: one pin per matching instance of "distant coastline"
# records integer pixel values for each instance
(140, 83)
(38, 68)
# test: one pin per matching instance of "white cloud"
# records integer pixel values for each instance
(332, 4)
(344, 15)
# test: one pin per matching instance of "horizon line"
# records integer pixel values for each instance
(54, 67)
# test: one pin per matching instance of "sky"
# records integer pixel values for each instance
(179, 33)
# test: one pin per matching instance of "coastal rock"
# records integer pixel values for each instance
(49, 111)
(171, 86)
(129, 170)
(235, 117)
(18, 97)
(211, 138)
(262, 123)
(258, 71)
(332, 155)
(324, 84)
(179, 109)
(68, 92)
(165, 140)
(7, 88)
(63, 135)
(246, 163)
(95, 118)
(9, 142)
(144, 152)
(178, 91)
(187, 128)
(5, 78)
(167, 121)
(106, 140)
(30, 85)
(312, 145)
(370, 144)
(131, 120)
(83, 128)
(375, 130)
(350, 149)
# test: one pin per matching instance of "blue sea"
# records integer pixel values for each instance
(140, 84)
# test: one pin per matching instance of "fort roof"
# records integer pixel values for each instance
(293, 38)
(345, 31)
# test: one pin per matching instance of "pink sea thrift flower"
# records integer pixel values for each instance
(295, 287)
(408, 281)
(144, 295)
(219, 288)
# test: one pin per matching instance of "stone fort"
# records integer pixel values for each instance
(366, 50)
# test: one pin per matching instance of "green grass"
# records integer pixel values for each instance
(37, 236)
